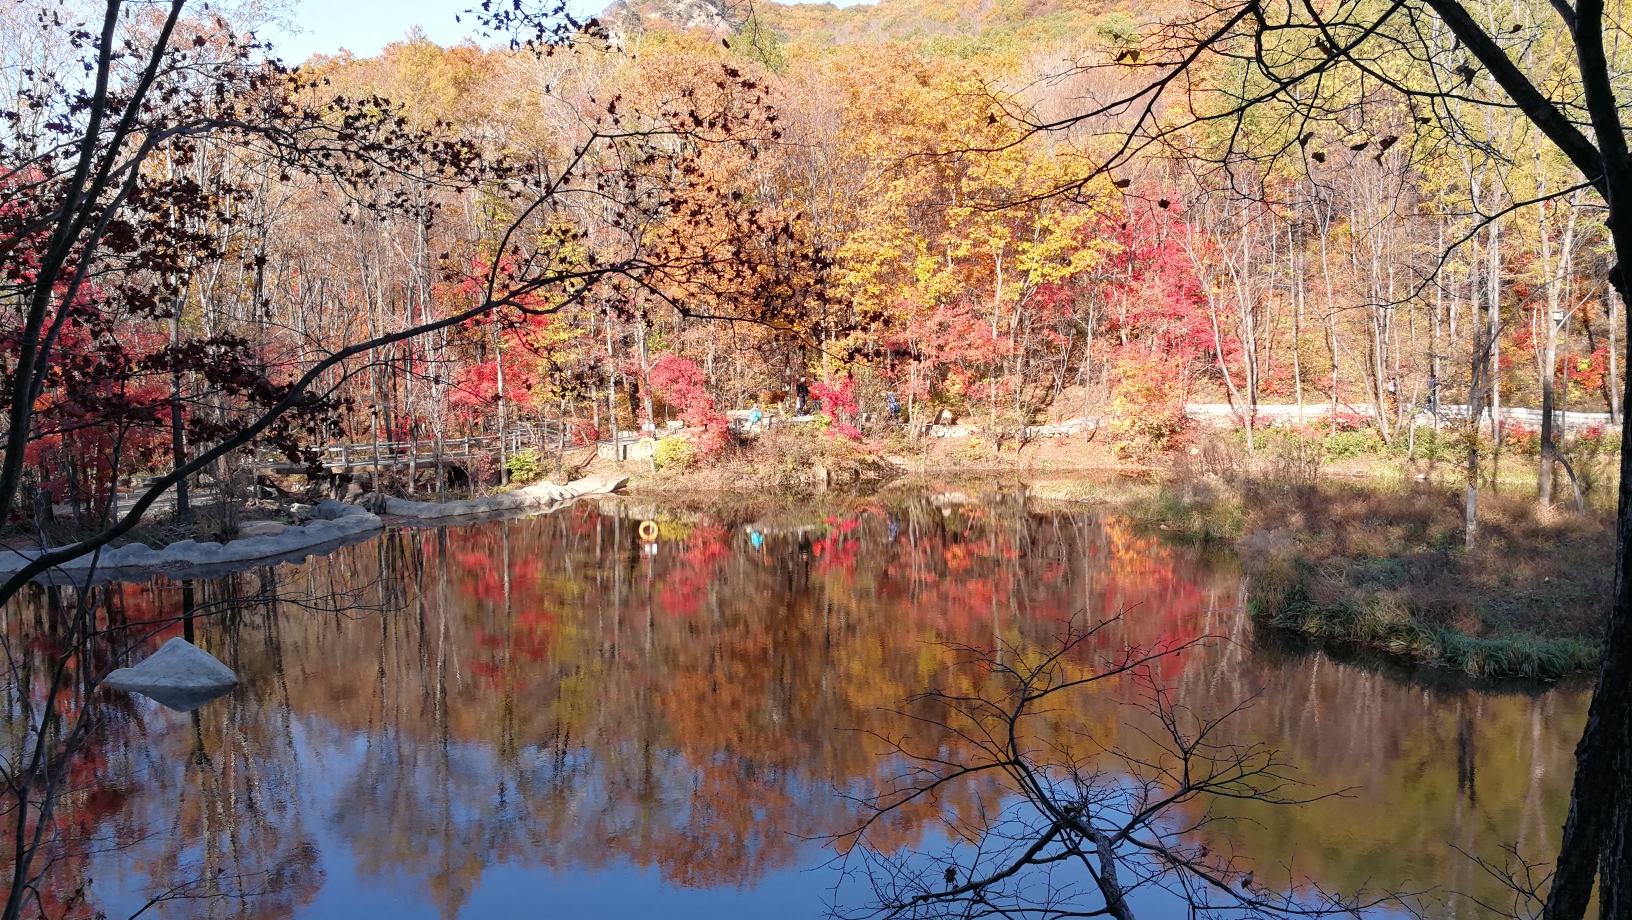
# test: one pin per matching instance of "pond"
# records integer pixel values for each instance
(568, 716)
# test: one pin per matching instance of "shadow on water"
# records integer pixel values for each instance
(583, 714)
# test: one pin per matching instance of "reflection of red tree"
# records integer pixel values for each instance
(1162, 605)
(965, 581)
(530, 636)
(835, 553)
(91, 806)
(707, 739)
(687, 578)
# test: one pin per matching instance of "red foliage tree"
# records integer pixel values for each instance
(681, 384)
(839, 405)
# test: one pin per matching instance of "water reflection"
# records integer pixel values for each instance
(545, 716)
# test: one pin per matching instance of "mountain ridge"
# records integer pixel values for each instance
(956, 27)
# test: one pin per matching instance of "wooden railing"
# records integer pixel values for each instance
(396, 454)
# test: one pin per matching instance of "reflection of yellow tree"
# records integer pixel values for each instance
(1431, 772)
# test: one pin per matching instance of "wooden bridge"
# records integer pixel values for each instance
(369, 456)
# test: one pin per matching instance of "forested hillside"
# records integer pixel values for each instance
(692, 212)
(935, 27)
(1365, 278)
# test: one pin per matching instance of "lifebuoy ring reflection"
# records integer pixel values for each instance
(648, 531)
(644, 449)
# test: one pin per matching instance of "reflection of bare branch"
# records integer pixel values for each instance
(1527, 882)
(1081, 828)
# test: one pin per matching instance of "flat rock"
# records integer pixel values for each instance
(260, 529)
(180, 675)
(531, 498)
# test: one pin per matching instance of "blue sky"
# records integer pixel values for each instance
(366, 26)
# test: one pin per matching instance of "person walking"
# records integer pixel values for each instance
(801, 396)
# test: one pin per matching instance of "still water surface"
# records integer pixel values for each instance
(550, 717)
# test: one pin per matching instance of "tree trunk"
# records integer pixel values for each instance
(498, 362)
(611, 386)
(1615, 416)
(1598, 832)
(178, 435)
(1493, 291)
(1470, 504)
(1478, 362)
(1544, 476)
(1294, 266)
(1558, 271)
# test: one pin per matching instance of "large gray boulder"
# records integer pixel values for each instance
(180, 675)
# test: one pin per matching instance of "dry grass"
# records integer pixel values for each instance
(1542, 572)
(1388, 567)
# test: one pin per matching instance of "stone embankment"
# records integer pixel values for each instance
(333, 524)
(541, 497)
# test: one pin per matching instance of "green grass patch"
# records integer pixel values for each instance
(1278, 597)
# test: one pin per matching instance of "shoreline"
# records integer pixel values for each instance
(1366, 563)
(1285, 608)
(1300, 582)
(334, 525)
(333, 522)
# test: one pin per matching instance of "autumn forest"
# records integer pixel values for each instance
(1049, 459)
(929, 224)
